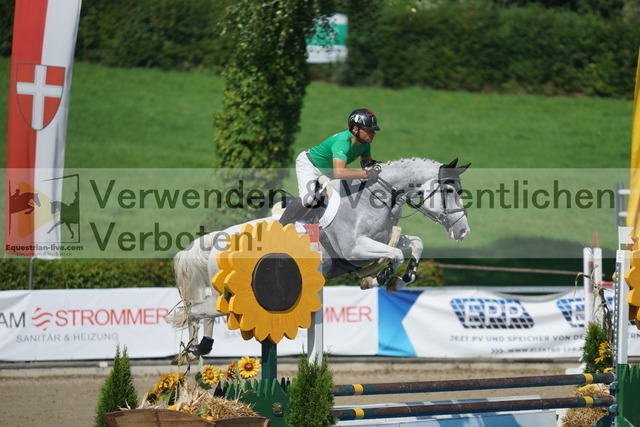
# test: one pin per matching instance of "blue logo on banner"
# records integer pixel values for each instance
(572, 310)
(491, 313)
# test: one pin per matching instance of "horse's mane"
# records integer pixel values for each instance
(414, 160)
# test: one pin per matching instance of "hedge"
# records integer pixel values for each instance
(133, 273)
(166, 34)
(471, 46)
(476, 46)
(85, 273)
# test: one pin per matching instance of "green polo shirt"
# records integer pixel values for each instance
(340, 147)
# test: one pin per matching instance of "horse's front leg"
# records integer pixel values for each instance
(415, 245)
(54, 226)
(366, 248)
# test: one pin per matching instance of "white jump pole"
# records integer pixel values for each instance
(621, 309)
(587, 268)
(315, 334)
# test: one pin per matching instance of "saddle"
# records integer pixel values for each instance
(323, 213)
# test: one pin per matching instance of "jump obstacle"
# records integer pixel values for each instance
(416, 409)
(592, 262)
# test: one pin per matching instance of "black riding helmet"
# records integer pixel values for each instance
(363, 118)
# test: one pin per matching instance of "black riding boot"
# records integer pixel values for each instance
(294, 211)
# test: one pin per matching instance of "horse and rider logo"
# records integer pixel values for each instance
(39, 89)
(25, 201)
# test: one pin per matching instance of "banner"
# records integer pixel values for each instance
(329, 41)
(634, 180)
(433, 323)
(473, 323)
(44, 38)
(85, 324)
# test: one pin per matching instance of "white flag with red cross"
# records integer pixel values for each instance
(44, 37)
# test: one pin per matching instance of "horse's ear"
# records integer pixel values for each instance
(453, 163)
(463, 168)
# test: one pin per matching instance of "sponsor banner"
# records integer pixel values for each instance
(434, 323)
(41, 66)
(89, 323)
(86, 323)
(459, 323)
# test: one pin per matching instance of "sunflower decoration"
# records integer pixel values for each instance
(167, 388)
(208, 375)
(248, 367)
(268, 281)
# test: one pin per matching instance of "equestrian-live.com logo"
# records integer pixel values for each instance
(35, 213)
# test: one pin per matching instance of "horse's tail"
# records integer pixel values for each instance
(192, 278)
(190, 267)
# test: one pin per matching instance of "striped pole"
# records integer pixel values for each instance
(471, 384)
(416, 410)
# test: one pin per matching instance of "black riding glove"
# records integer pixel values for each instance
(373, 172)
(364, 164)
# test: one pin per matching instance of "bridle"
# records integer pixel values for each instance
(443, 218)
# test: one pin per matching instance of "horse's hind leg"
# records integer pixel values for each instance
(69, 227)
(206, 343)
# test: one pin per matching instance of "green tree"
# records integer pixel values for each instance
(265, 83)
(363, 42)
(311, 394)
(118, 390)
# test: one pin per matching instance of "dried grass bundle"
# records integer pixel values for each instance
(223, 408)
(580, 417)
(201, 402)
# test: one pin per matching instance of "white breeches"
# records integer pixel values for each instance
(307, 175)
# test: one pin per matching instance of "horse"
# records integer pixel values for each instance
(24, 202)
(357, 233)
(69, 214)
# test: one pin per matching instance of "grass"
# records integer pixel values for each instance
(137, 118)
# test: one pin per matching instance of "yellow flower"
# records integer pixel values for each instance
(169, 381)
(231, 371)
(211, 374)
(603, 352)
(248, 367)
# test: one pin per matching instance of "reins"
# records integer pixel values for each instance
(442, 218)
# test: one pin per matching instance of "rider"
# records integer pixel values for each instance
(331, 157)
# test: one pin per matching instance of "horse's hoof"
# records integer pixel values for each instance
(366, 283)
(392, 287)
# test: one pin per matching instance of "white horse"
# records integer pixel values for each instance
(357, 233)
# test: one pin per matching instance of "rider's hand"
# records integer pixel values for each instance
(368, 163)
(373, 172)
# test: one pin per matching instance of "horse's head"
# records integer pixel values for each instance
(442, 202)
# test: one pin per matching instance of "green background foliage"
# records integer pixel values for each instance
(546, 47)
(153, 118)
(265, 83)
